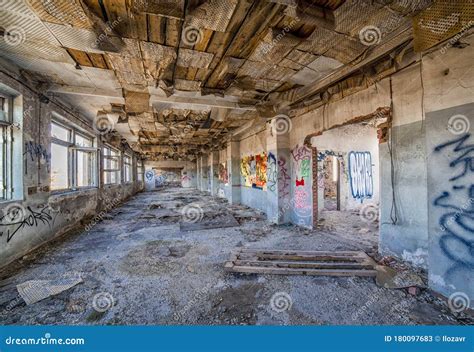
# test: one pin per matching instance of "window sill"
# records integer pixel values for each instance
(65, 192)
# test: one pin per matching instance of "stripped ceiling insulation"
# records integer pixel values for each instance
(179, 78)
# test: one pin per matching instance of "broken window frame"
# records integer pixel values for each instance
(140, 171)
(6, 142)
(73, 149)
(127, 168)
(108, 172)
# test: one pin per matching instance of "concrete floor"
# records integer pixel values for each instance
(147, 271)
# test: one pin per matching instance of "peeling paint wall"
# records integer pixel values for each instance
(170, 173)
(359, 183)
(45, 214)
(250, 147)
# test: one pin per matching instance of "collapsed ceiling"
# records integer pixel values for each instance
(177, 78)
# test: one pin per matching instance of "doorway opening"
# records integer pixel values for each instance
(332, 183)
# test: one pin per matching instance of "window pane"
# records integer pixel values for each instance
(3, 162)
(85, 163)
(59, 132)
(82, 141)
(59, 167)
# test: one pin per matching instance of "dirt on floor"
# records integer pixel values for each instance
(140, 265)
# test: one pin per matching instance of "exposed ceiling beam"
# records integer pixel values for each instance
(88, 91)
(184, 102)
(205, 101)
(397, 38)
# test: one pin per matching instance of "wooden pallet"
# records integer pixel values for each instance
(293, 262)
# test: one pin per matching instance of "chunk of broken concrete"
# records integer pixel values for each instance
(36, 290)
(390, 278)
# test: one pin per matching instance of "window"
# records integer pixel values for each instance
(127, 168)
(111, 159)
(140, 170)
(6, 138)
(73, 158)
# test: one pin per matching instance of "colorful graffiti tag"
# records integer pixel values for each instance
(253, 169)
(360, 175)
(457, 222)
(223, 174)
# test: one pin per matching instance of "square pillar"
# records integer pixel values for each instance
(214, 172)
(278, 178)
(204, 173)
(233, 171)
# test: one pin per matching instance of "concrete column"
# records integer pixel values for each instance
(233, 170)
(278, 178)
(188, 175)
(214, 172)
(204, 173)
(198, 173)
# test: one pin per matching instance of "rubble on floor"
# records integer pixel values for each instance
(143, 270)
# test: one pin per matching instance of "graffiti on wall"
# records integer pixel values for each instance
(323, 172)
(253, 169)
(301, 173)
(36, 151)
(457, 222)
(360, 175)
(284, 177)
(149, 175)
(16, 217)
(223, 174)
(302, 160)
(272, 180)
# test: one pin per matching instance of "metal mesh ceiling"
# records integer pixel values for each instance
(441, 21)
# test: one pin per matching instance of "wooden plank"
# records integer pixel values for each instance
(302, 264)
(290, 251)
(157, 29)
(291, 271)
(98, 60)
(80, 57)
(333, 258)
(117, 10)
(173, 32)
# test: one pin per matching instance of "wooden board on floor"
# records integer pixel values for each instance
(209, 222)
(294, 262)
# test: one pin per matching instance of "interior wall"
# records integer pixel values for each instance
(356, 147)
(250, 147)
(170, 173)
(46, 214)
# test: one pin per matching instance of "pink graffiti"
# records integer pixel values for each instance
(300, 153)
(301, 199)
(283, 177)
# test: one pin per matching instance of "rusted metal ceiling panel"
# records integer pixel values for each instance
(212, 14)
